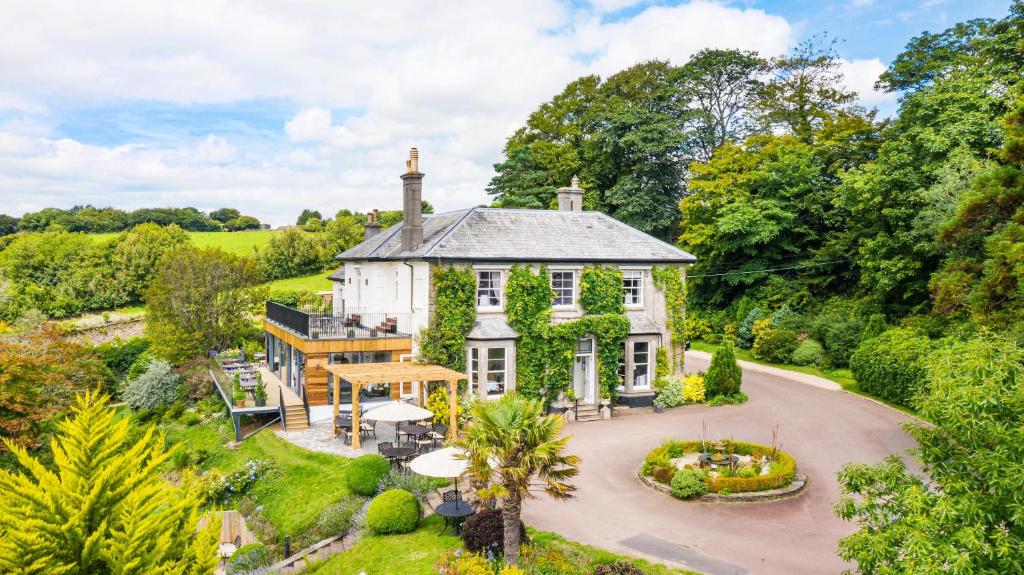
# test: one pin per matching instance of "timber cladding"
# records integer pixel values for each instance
(317, 350)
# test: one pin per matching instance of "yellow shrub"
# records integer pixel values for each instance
(511, 570)
(693, 388)
(761, 326)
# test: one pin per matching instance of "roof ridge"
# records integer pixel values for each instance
(451, 229)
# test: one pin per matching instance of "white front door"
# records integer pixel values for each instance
(583, 371)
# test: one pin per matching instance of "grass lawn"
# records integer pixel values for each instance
(410, 554)
(304, 483)
(841, 376)
(316, 282)
(240, 243)
(416, 552)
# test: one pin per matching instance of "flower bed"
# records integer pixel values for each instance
(747, 477)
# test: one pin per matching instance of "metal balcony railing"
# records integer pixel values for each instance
(350, 324)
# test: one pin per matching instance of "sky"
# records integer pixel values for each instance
(272, 107)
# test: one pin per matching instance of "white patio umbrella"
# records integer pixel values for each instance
(397, 412)
(448, 463)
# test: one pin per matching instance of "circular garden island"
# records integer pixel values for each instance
(721, 471)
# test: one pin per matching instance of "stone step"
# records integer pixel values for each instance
(585, 418)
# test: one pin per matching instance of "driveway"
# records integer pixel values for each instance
(824, 429)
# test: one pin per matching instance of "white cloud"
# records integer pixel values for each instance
(861, 75)
(453, 79)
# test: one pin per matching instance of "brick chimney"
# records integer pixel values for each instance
(571, 199)
(412, 197)
(372, 225)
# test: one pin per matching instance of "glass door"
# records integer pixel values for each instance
(583, 371)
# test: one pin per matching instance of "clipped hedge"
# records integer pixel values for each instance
(809, 352)
(363, 475)
(782, 473)
(892, 365)
(393, 512)
(689, 483)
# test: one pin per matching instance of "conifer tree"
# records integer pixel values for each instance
(724, 374)
(105, 508)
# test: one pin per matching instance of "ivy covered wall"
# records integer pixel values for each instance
(669, 281)
(545, 352)
(443, 342)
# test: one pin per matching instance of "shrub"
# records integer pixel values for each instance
(250, 558)
(698, 328)
(745, 331)
(393, 512)
(693, 388)
(437, 402)
(809, 352)
(775, 345)
(874, 328)
(181, 459)
(156, 388)
(219, 488)
(191, 418)
(459, 563)
(891, 366)
(364, 473)
(337, 519)
(724, 376)
(689, 483)
(618, 568)
(731, 399)
(485, 531)
(419, 485)
(838, 335)
(672, 394)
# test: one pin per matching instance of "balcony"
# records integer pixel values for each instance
(350, 324)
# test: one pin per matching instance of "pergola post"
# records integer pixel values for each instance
(453, 403)
(356, 436)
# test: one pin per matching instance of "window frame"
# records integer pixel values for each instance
(637, 275)
(474, 369)
(500, 288)
(571, 287)
(503, 372)
(647, 366)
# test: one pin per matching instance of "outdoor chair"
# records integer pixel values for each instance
(424, 442)
(449, 496)
(437, 434)
(366, 428)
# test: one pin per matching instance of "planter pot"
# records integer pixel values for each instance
(261, 402)
(659, 408)
(351, 333)
(239, 403)
(606, 401)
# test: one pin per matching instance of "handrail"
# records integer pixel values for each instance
(305, 401)
(280, 408)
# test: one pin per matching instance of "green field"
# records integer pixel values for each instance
(316, 282)
(240, 243)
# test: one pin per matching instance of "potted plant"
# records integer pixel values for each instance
(260, 391)
(237, 392)
(351, 333)
(659, 406)
(606, 397)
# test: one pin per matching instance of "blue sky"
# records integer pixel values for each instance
(273, 109)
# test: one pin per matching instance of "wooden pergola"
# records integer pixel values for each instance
(360, 375)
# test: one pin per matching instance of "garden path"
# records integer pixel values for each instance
(823, 428)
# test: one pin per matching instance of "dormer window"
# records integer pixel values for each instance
(488, 289)
(564, 285)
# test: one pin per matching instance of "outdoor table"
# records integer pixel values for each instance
(397, 453)
(456, 511)
(414, 430)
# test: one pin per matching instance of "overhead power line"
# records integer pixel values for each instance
(736, 273)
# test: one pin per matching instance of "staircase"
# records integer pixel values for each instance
(588, 412)
(295, 418)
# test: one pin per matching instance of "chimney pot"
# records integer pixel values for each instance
(372, 225)
(570, 199)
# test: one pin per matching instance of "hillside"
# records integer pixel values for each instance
(240, 243)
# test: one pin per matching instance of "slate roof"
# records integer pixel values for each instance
(338, 275)
(490, 328)
(516, 235)
(640, 324)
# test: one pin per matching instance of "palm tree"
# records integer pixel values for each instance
(514, 449)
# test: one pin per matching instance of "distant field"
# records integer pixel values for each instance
(315, 282)
(240, 243)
